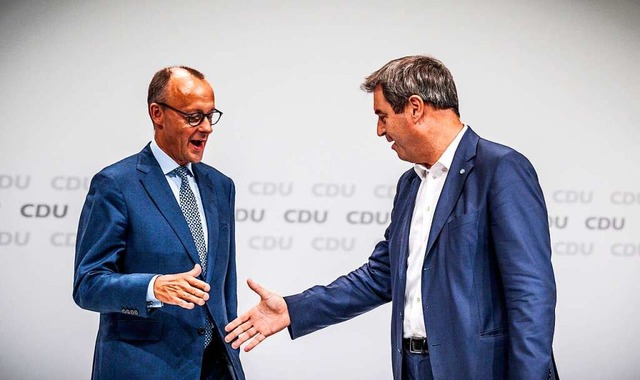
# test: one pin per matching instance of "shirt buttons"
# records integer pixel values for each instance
(417, 299)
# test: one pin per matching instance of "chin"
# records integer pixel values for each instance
(402, 157)
(194, 157)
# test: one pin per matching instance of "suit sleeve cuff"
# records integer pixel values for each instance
(152, 301)
(294, 318)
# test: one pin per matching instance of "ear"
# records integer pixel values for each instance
(416, 107)
(157, 114)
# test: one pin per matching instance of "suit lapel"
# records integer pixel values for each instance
(461, 166)
(407, 214)
(404, 219)
(210, 206)
(155, 183)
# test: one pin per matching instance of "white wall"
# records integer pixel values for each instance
(556, 80)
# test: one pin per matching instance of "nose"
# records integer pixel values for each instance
(380, 130)
(205, 126)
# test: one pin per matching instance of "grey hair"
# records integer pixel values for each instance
(419, 75)
(160, 80)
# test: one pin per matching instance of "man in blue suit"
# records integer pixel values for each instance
(155, 253)
(466, 259)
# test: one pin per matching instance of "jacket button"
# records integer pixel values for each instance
(200, 330)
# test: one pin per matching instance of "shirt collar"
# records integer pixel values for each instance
(167, 164)
(444, 162)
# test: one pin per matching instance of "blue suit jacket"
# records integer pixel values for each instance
(130, 229)
(488, 287)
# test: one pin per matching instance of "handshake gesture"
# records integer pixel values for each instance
(268, 317)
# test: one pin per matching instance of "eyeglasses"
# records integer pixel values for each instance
(194, 119)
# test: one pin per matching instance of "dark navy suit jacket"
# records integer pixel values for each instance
(132, 228)
(488, 287)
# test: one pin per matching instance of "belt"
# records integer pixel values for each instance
(416, 345)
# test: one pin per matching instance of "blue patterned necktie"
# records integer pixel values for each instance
(190, 211)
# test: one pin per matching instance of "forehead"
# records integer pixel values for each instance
(184, 89)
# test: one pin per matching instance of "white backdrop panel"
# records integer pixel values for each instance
(558, 81)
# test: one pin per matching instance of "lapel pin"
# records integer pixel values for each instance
(461, 171)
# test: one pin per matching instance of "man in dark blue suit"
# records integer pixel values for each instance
(155, 253)
(466, 259)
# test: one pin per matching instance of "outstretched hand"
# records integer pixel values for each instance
(268, 317)
(182, 289)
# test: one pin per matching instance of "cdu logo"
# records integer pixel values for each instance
(603, 223)
(14, 182)
(573, 248)
(333, 190)
(305, 216)
(250, 215)
(625, 198)
(333, 244)
(41, 210)
(573, 196)
(20, 239)
(625, 249)
(63, 239)
(70, 183)
(270, 243)
(559, 222)
(384, 191)
(271, 188)
(368, 217)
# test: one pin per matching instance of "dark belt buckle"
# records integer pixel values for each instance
(418, 346)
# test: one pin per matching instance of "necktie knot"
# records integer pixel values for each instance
(182, 172)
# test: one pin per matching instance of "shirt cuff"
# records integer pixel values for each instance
(152, 301)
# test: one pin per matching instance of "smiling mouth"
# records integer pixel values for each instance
(390, 140)
(198, 143)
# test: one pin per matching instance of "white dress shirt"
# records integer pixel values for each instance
(432, 182)
(168, 165)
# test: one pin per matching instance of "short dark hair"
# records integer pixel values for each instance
(419, 75)
(161, 78)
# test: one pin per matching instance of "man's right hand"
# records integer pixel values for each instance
(182, 289)
(268, 317)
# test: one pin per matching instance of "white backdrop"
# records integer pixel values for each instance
(558, 81)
